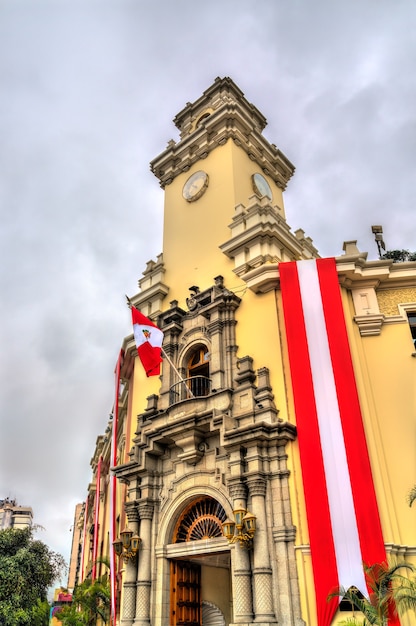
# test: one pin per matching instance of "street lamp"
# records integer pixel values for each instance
(128, 544)
(241, 529)
(378, 235)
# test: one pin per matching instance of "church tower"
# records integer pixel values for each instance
(209, 452)
(223, 184)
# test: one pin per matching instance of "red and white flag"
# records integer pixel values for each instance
(341, 506)
(149, 339)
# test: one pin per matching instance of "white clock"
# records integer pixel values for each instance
(261, 186)
(195, 186)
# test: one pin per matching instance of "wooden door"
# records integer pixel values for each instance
(185, 594)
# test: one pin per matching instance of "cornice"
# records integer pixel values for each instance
(231, 121)
(354, 272)
(222, 90)
(269, 231)
(261, 431)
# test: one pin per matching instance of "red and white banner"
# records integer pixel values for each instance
(113, 492)
(341, 506)
(96, 519)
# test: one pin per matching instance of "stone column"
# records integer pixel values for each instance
(241, 583)
(284, 534)
(262, 571)
(129, 585)
(144, 571)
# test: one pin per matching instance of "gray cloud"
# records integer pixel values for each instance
(88, 91)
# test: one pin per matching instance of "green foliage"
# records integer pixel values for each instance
(389, 592)
(399, 256)
(27, 569)
(91, 601)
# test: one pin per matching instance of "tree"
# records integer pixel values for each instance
(27, 569)
(390, 593)
(399, 256)
(91, 601)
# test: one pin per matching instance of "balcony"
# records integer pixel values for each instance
(188, 388)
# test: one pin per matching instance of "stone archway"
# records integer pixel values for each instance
(199, 565)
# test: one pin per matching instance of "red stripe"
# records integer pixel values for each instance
(317, 507)
(84, 540)
(96, 520)
(365, 501)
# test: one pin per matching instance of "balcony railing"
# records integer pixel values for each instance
(187, 388)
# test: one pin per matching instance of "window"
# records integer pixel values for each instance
(411, 316)
(202, 519)
(202, 119)
(347, 605)
(198, 371)
(196, 382)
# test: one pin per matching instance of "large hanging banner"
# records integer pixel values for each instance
(341, 506)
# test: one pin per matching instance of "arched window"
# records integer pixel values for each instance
(196, 382)
(202, 119)
(198, 372)
(202, 519)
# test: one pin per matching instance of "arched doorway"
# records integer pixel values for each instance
(199, 578)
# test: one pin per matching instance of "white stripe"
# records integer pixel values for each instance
(155, 335)
(343, 520)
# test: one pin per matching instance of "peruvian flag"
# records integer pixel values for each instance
(341, 505)
(148, 338)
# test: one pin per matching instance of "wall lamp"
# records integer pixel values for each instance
(128, 545)
(242, 529)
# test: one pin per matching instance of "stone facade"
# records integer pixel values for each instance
(207, 460)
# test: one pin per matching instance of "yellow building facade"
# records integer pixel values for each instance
(208, 468)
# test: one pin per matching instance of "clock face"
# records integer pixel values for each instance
(261, 186)
(195, 186)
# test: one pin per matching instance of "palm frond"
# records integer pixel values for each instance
(351, 621)
(405, 596)
(412, 495)
(360, 603)
(390, 592)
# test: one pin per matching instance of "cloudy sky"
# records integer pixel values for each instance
(88, 91)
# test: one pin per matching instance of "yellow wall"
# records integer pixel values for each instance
(385, 375)
(215, 583)
(193, 231)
